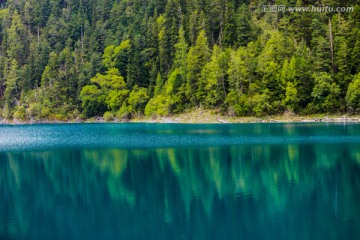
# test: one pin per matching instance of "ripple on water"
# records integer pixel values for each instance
(31, 137)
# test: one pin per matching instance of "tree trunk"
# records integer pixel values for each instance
(331, 45)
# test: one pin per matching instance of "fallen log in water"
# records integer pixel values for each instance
(222, 121)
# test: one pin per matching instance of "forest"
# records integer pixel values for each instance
(68, 59)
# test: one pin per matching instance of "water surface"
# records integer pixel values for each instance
(174, 181)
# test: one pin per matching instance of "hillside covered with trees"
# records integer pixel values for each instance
(63, 59)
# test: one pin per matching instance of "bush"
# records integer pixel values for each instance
(260, 104)
(123, 112)
(34, 110)
(137, 100)
(60, 117)
(20, 113)
(157, 106)
(108, 116)
(45, 112)
(7, 113)
(73, 114)
(238, 106)
(353, 95)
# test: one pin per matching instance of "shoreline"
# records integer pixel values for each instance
(203, 117)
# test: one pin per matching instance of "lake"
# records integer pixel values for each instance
(180, 181)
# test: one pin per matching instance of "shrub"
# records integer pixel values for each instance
(137, 100)
(20, 113)
(108, 116)
(34, 110)
(60, 117)
(123, 112)
(353, 94)
(157, 106)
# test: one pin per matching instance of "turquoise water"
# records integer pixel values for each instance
(165, 181)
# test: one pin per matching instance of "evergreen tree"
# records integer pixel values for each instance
(12, 89)
(229, 37)
(17, 47)
(270, 62)
(291, 97)
(353, 95)
(197, 58)
(239, 75)
(175, 88)
(213, 79)
(322, 57)
(325, 93)
(244, 30)
(52, 52)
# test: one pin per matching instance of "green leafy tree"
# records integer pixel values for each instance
(325, 93)
(106, 92)
(137, 100)
(259, 103)
(183, 54)
(270, 62)
(353, 95)
(157, 106)
(116, 56)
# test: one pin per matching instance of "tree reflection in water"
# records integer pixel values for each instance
(288, 191)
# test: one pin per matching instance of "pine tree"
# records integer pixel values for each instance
(175, 87)
(13, 89)
(229, 34)
(171, 26)
(325, 93)
(50, 74)
(244, 30)
(270, 62)
(261, 63)
(291, 97)
(238, 71)
(322, 57)
(303, 80)
(17, 46)
(213, 79)
(343, 74)
(197, 58)
(181, 49)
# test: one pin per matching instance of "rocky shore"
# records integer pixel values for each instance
(199, 116)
